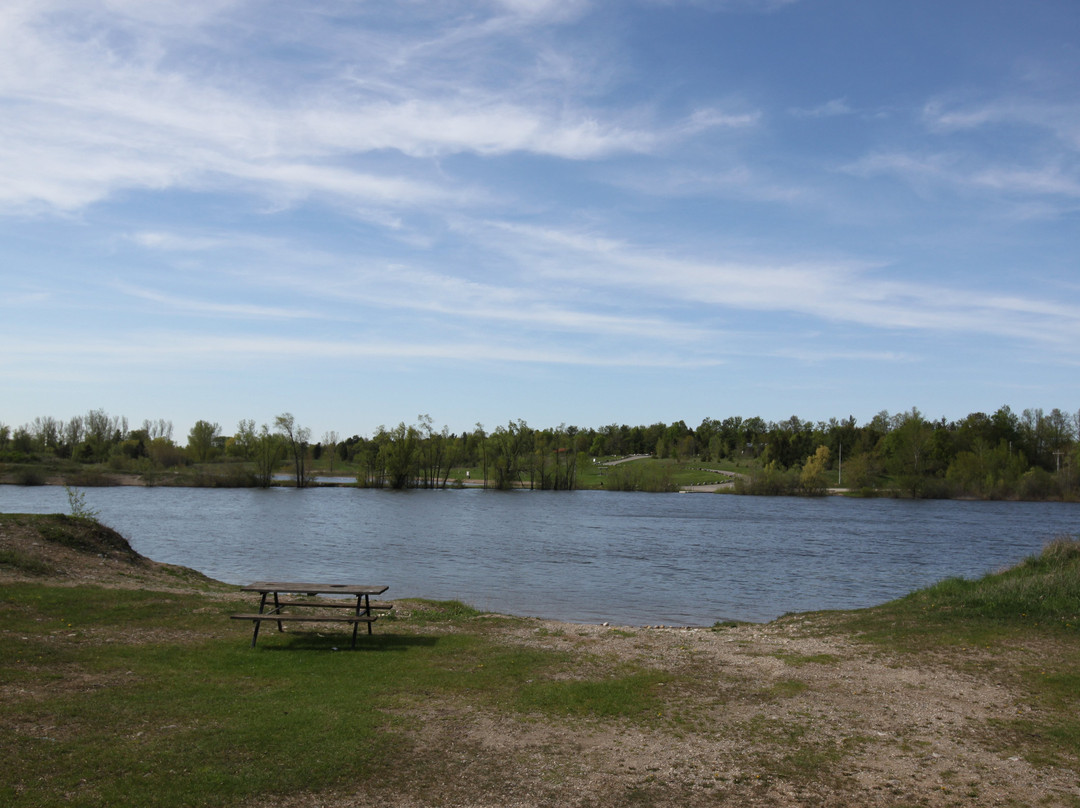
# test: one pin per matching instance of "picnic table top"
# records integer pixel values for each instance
(315, 588)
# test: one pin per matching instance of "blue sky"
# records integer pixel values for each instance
(565, 212)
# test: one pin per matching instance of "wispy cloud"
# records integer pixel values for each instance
(87, 119)
(225, 351)
(1060, 119)
(730, 5)
(830, 109)
(215, 309)
(842, 291)
(960, 172)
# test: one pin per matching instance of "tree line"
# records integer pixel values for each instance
(1033, 454)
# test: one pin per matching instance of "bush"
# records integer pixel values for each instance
(29, 477)
(771, 481)
(229, 477)
(1038, 483)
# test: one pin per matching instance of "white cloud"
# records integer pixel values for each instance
(215, 309)
(840, 291)
(181, 349)
(544, 10)
(964, 172)
(1060, 119)
(730, 5)
(85, 120)
(830, 109)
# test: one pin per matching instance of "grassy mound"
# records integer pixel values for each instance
(1040, 594)
(1043, 589)
(65, 550)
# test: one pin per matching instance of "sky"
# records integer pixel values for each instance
(576, 212)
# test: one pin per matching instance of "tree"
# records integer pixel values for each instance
(330, 440)
(909, 444)
(985, 471)
(398, 455)
(812, 478)
(201, 440)
(158, 429)
(862, 470)
(296, 440)
(267, 451)
(47, 433)
(244, 441)
(510, 445)
(481, 436)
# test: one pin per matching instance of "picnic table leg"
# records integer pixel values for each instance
(277, 610)
(356, 625)
(255, 633)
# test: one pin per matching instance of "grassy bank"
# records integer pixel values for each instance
(125, 683)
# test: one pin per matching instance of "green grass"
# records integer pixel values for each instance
(690, 472)
(23, 562)
(120, 709)
(1042, 592)
(630, 695)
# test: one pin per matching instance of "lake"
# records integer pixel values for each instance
(583, 556)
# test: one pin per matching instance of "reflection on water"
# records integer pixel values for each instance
(675, 559)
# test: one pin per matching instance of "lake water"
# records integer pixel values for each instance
(584, 556)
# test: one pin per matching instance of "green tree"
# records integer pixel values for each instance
(862, 471)
(330, 441)
(481, 438)
(398, 455)
(267, 450)
(509, 447)
(813, 477)
(986, 472)
(244, 441)
(163, 452)
(909, 445)
(201, 440)
(296, 440)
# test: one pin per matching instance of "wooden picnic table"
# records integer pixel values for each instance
(362, 610)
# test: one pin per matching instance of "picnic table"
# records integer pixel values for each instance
(283, 594)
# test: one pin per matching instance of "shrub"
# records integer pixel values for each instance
(29, 477)
(771, 481)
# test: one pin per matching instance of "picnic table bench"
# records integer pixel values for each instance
(362, 610)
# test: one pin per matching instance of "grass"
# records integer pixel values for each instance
(630, 695)
(122, 712)
(25, 562)
(1042, 592)
(144, 697)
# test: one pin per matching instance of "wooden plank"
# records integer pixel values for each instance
(308, 618)
(375, 604)
(315, 588)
